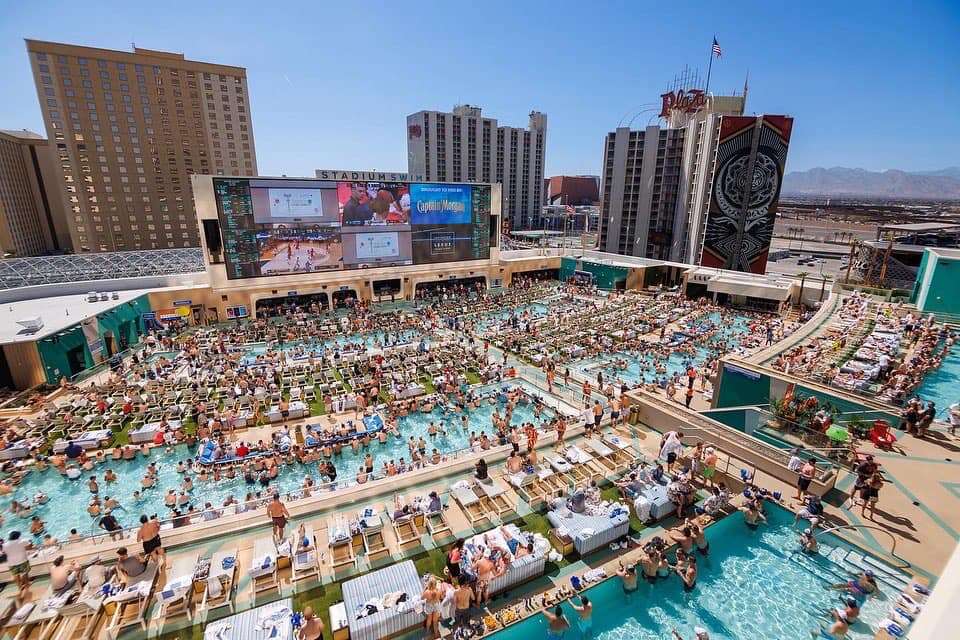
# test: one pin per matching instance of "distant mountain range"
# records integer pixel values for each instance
(893, 183)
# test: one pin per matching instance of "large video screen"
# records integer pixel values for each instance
(274, 226)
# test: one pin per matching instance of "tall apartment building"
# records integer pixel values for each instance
(464, 146)
(31, 223)
(640, 188)
(129, 128)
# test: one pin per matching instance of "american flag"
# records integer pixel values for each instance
(716, 48)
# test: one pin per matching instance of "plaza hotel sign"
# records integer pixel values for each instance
(689, 101)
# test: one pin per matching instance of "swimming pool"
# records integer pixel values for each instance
(69, 499)
(753, 586)
(371, 339)
(941, 384)
(641, 368)
(533, 310)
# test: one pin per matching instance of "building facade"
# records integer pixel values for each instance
(465, 146)
(572, 190)
(128, 129)
(679, 192)
(640, 189)
(31, 222)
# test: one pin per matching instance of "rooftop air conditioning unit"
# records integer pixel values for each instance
(115, 295)
(92, 296)
(104, 296)
(32, 323)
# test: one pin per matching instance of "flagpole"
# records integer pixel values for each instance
(706, 90)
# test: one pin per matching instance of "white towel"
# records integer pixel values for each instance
(214, 588)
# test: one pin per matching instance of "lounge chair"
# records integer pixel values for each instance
(132, 602)
(263, 568)
(471, 505)
(81, 615)
(622, 451)
(177, 594)
(342, 555)
(371, 529)
(221, 581)
(42, 619)
(493, 495)
(408, 536)
(605, 457)
(437, 525)
(305, 563)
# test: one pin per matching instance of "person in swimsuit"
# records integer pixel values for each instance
(752, 515)
(278, 515)
(864, 585)
(454, 555)
(688, 573)
(484, 568)
(312, 628)
(584, 614)
(836, 631)
(463, 600)
(431, 608)
(650, 562)
(628, 575)
(149, 536)
(557, 623)
(699, 539)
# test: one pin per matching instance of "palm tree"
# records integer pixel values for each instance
(803, 278)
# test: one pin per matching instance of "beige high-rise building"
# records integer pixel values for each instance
(465, 146)
(128, 130)
(31, 223)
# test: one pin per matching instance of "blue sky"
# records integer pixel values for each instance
(870, 84)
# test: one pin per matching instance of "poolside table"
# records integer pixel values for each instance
(269, 622)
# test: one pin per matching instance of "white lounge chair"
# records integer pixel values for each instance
(305, 562)
(221, 581)
(176, 596)
(263, 570)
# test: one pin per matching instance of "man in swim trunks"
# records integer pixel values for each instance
(278, 515)
(628, 575)
(585, 614)
(312, 628)
(557, 623)
(149, 536)
(484, 569)
(462, 601)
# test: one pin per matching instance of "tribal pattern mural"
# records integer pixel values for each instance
(751, 156)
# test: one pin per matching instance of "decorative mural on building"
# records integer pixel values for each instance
(746, 188)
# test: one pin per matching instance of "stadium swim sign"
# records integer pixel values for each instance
(346, 175)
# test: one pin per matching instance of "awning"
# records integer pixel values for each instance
(748, 288)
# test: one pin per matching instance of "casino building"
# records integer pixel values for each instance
(679, 192)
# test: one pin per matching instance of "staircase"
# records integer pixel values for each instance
(837, 564)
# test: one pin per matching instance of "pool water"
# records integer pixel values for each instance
(533, 310)
(371, 339)
(942, 384)
(754, 585)
(643, 368)
(69, 499)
